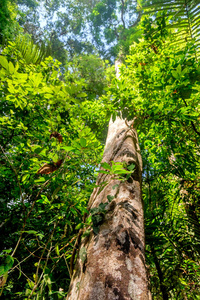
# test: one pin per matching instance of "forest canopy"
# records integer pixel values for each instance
(58, 90)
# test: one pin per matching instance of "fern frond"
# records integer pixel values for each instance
(32, 53)
(184, 18)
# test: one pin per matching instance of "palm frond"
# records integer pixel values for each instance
(32, 53)
(184, 18)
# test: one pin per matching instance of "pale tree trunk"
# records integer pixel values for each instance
(111, 263)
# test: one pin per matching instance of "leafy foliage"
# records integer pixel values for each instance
(4, 16)
(183, 18)
(40, 212)
(93, 72)
(32, 53)
(161, 88)
(77, 27)
(9, 27)
(55, 119)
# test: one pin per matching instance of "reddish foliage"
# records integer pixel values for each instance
(49, 168)
(57, 135)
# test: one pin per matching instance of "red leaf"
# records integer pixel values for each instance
(50, 168)
(47, 169)
(57, 136)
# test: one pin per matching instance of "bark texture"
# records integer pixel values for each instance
(111, 264)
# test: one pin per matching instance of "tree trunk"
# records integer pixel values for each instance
(110, 262)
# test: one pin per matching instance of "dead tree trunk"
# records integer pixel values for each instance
(111, 263)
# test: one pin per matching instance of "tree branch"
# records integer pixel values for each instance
(122, 14)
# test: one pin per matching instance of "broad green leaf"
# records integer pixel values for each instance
(67, 148)
(4, 62)
(11, 67)
(80, 225)
(83, 142)
(2, 270)
(110, 198)
(8, 263)
(120, 172)
(175, 74)
(82, 95)
(131, 167)
(9, 260)
(106, 166)
(103, 172)
(25, 177)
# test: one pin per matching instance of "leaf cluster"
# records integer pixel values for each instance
(41, 213)
(161, 88)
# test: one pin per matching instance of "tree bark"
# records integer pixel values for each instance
(111, 263)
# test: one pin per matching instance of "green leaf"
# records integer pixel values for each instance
(67, 148)
(25, 177)
(41, 179)
(44, 200)
(73, 211)
(83, 142)
(103, 172)
(80, 225)
(175, 74)
(31, 232)
(102, 206)
(7, 250)
(11, 67)
(40, 150)
(110, 198)
(106, 166)
(30, 283)
(120, 171)
(9, 260)
(58, 118)
(8, 263)
(57, 250)
(94, 210)
(131, 167)
(2, 270)
(4, 62)
(82, 95)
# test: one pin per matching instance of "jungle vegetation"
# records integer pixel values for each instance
(58, 90)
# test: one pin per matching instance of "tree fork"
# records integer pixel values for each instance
(111, 263)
